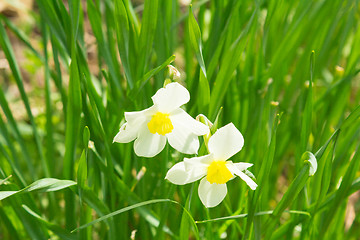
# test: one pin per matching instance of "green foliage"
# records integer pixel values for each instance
(284, 72)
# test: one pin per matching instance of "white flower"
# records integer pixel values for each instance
(213, 169)
(165, 120)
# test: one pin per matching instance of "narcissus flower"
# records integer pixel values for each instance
(163, 121)
(214, 169)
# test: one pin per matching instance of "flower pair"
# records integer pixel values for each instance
(166, 121)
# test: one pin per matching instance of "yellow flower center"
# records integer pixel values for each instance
(218, 173)
(160, 123)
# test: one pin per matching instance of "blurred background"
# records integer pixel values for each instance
(284, 72)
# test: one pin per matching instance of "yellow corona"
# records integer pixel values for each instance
(217, 172)
(160, 123)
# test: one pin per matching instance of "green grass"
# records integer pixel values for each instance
(270, 67)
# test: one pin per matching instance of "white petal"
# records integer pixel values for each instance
(171, 97)
(186, 129)
(243, 165)
(177, 174)
(185, 121)
(197, 167)
(211, 194)
(126, 134)
(226, 142)
(183, 140)
(137, 117)
(198, 162)
(135, 120)
(248, 180)
(148, 144)
(234, 170)
(196, 174)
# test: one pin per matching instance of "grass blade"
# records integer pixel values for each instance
(9, 53)
(42, 185)
(63, 234)
(147, 32)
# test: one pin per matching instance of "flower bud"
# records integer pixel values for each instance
(339, 71)
(172, 73)
(203, 119)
